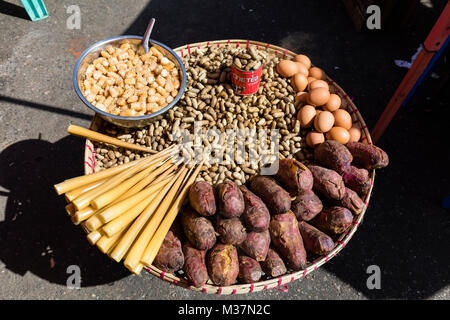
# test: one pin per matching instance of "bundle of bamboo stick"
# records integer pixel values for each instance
(128, 210)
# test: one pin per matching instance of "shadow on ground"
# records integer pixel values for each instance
(37, 235)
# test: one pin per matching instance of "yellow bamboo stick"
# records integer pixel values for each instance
(126, 218)
(70, 209)
(71, 184)
(77, 182)
(84, 199)
(106, 244)
(70, 195)
(138, 269)
(125, 243)
(155, 243)
(94, 222)
(111, 195)
(135, 254)
(93, 237)
(167, 172)
(82, 215)
(149, 179)
(115, 210)
(97, 136)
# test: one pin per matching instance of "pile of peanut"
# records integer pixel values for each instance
(127, 81)
(209, 98)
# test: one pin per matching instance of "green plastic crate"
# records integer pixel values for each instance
(35, 9)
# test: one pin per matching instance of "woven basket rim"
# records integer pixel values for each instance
(279, 282)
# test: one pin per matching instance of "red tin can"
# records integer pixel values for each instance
(245, 82)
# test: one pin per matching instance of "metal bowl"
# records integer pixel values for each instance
(93, 52)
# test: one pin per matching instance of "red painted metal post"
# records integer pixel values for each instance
(432, 44)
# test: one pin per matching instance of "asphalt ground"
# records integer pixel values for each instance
(405, 230)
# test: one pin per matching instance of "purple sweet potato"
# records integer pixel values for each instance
(256, 215)
(249, 270)
(334, 220)
(357, 179)
(223, 264)
(195, 265)
(231, 201)
(351, 201)
(333, 155)
(273, 265)
(274, 196)
(328, 182)
(294, 176)
(256, 245)
(231, 231)
(286, 238)
(306, 205)
(170, 256)
(198, 230)
(201, 198)
(367, 155)
(315, 240)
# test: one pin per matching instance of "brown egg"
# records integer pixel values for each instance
(318, 96)
(355, 134)
(314, 138)
(317, 73)
(318, 84)
(339, 134)
(311, 79)
(303, 59)
(299, 82)
(306, 116)
(324, 121)
(301, 96)
(301, 68)
(287, 68)
(333, 103)
(342, 119)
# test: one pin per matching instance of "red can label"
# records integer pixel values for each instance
(245, 82)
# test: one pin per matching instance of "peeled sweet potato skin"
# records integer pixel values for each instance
(306, 205)
(256, 215)
(231, 200)
(315, 240)
(195, 265)
(368, 156)
(223, 264)
(351, 201)
(357, 179)
(333, 155)
(201, 198)
(286, 238)
(294, 176)
(328, 182)
(333, 220)
(274, 196)
(273, 265)
(170, 257)
(198, 230)
(231, 231)
(249, 270)
(256, 245)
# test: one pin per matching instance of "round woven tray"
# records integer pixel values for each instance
(279, 282)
